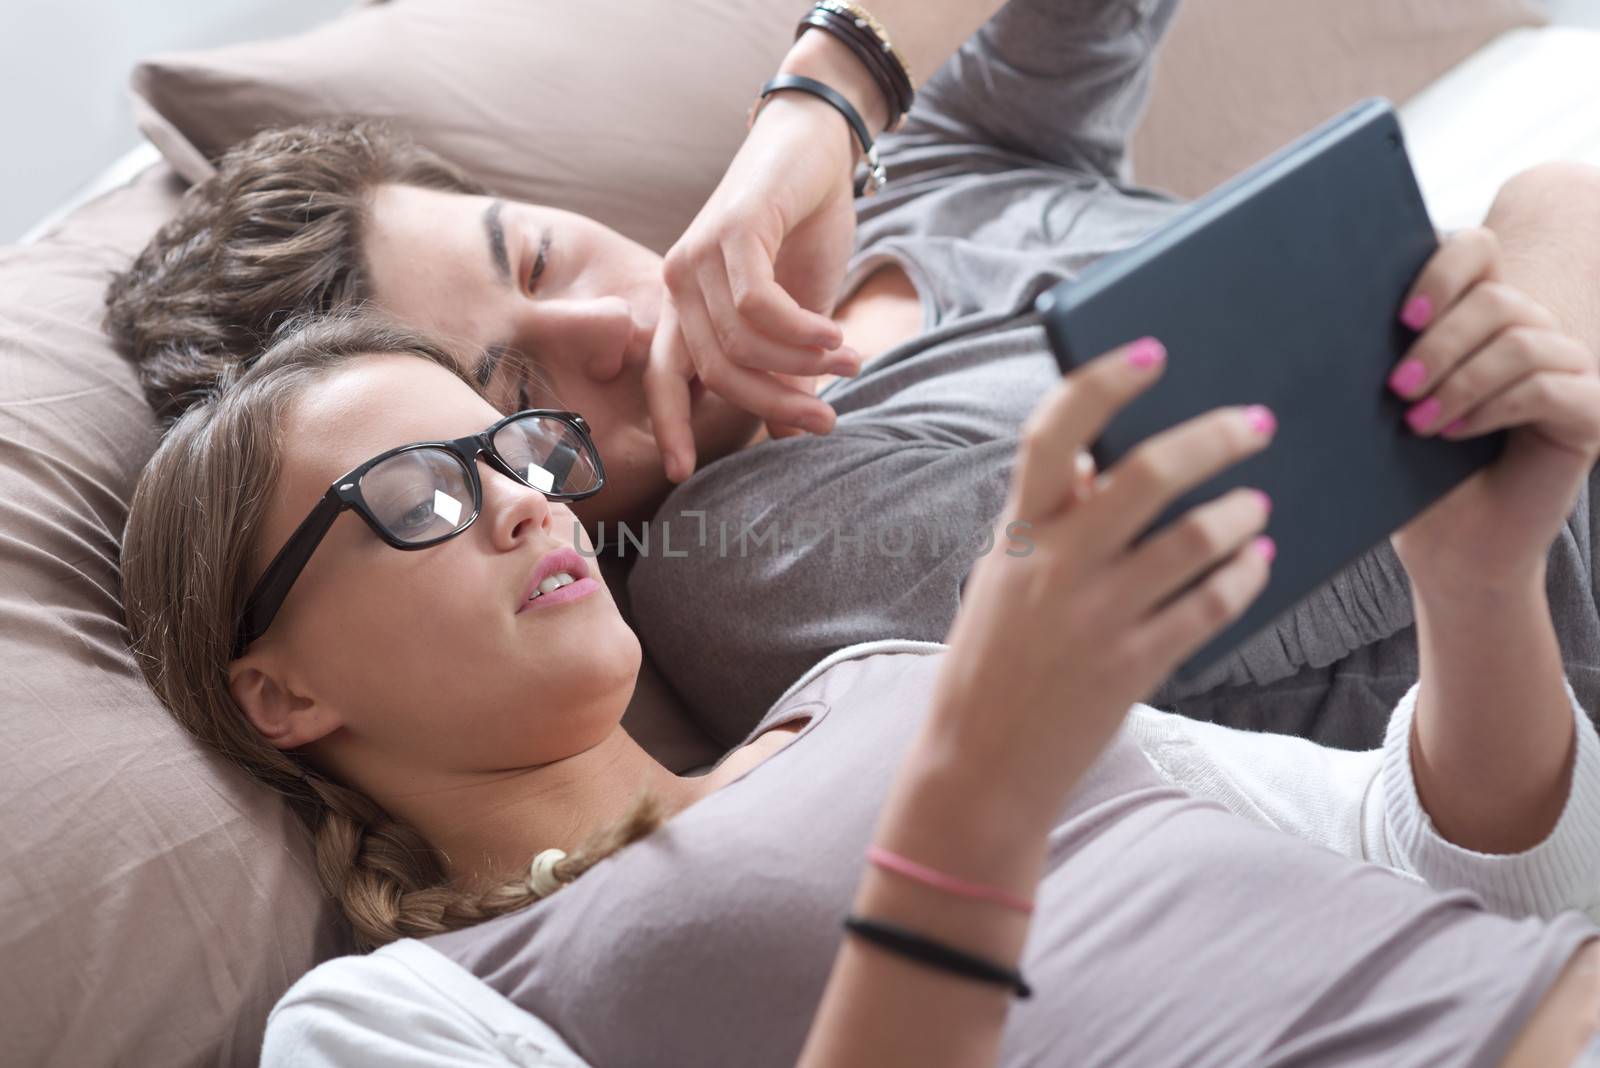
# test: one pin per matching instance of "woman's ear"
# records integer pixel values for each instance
(286, 719)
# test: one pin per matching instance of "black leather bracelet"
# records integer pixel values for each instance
(923, 950)
(875, 176)
(879, 66)
(845, 17)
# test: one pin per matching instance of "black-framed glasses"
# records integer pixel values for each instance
(418, 495)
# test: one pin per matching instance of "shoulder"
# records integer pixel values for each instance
(878, 653)
(405, 1004)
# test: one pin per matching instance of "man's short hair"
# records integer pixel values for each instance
(274, 235)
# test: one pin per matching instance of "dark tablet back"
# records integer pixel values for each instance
(1284, 288)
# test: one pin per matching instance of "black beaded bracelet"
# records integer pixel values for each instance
(923, 950)
(875, 176)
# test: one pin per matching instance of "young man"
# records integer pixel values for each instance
(779, 551)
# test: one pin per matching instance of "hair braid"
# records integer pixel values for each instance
(391, 884)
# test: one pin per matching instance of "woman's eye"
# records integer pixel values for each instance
(417, 517)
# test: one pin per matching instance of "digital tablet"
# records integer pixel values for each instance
(1284, 288)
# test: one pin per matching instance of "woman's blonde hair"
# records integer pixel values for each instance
(193, 531)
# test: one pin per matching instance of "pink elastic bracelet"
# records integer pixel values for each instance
(938, 880)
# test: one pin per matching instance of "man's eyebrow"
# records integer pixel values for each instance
(496, 233)
(483, 374)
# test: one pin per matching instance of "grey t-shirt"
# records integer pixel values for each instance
(1167, 930)
(1008, 179)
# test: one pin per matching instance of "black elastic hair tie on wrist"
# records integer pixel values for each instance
(876, 175)
(923, 950)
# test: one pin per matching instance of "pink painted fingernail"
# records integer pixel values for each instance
(1264, 499)
(1260, 419)
(1147, 352)
(1408, 377)
(1417, 313)
(1424, 415)
(1456, 427)
(1266, 547)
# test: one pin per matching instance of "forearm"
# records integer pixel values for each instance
(1493, 736)
(924, 32)
(1548, 223)
(951, 812)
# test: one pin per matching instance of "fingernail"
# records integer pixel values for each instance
(1147, 352)
(1456, 427)
(1266, 547)
(844, 366)
(1423, 415)
(674, 467)
(1260, 419)
(1417, 313)
(1264, 499)
(1407, 377)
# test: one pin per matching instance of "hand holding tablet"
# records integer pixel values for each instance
(1490, 358)
(1300, 287)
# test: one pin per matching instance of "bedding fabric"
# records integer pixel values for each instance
(1239, 78)
(156, 903)
(566, 104)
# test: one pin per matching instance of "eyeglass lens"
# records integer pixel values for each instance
(548, 455)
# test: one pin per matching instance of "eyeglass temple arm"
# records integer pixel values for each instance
(269, 593)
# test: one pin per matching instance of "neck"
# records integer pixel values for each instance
(491, 825)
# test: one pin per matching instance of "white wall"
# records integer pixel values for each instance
(63, 82)
(1576, 12)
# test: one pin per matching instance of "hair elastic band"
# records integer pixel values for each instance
(949, 884)
(542, 872)
(912, 946)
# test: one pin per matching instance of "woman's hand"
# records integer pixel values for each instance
(1491, 358)
(1051, 647)
(753, 280)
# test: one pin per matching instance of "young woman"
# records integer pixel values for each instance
(437, 682)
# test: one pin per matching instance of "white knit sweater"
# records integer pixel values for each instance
(408, 1006)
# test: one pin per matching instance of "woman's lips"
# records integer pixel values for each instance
(571, 592)
(556, 562)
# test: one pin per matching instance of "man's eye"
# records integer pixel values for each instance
(522, 399)
(540, 260)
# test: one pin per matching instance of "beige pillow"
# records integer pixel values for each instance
(625, 110)
(155, 902)
(628, 111)
(1240, 78)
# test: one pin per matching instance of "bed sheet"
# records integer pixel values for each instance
(1527, 98)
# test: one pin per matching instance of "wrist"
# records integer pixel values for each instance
(822, 57)
(948, 813)
(1446, 593)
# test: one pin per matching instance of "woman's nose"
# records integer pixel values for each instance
(596, 336)
(514, 510)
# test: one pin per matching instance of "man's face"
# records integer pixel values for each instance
(565, 310)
